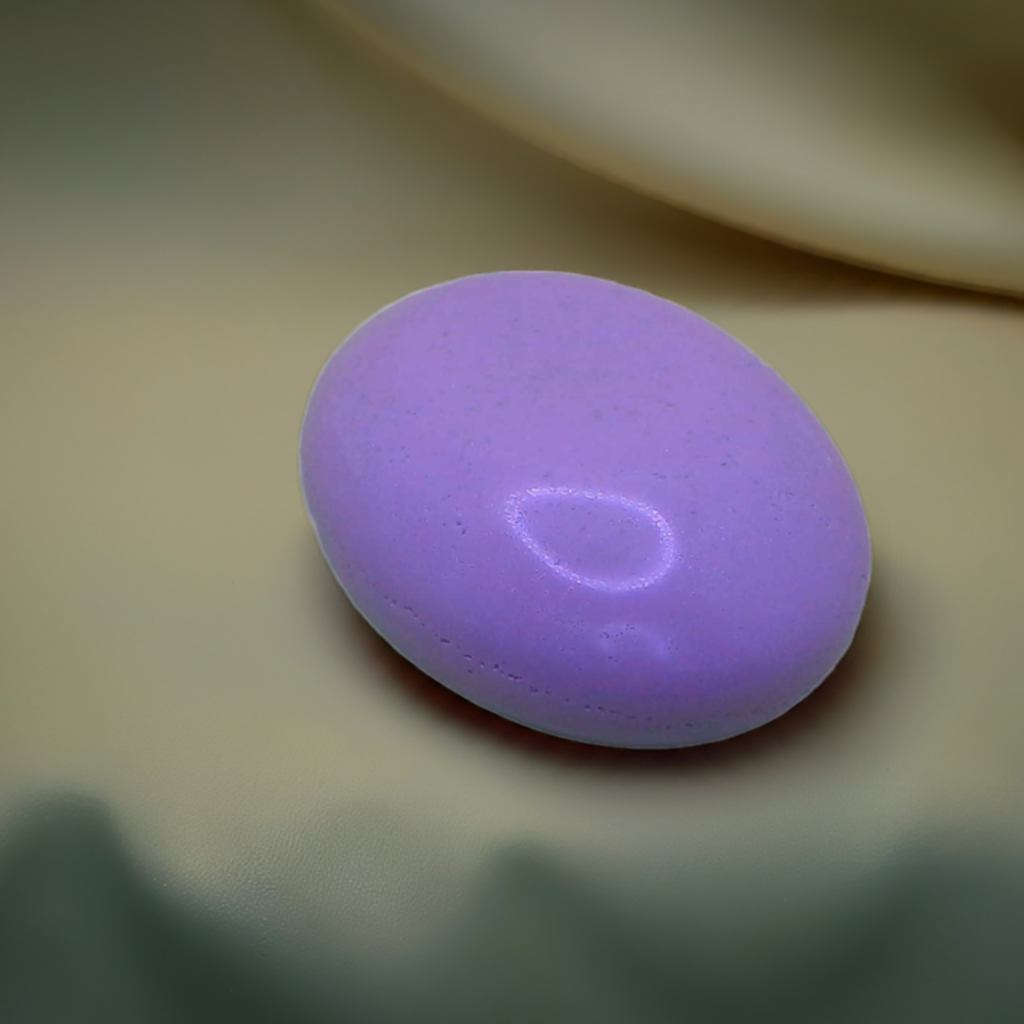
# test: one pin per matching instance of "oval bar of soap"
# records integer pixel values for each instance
(585, 508)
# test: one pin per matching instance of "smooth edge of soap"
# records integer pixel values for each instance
(534, 728)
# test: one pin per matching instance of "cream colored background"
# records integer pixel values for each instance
(199, 201)
(886, 132)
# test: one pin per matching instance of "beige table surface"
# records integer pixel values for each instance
(224, 799)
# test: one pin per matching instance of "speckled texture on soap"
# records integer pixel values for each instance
(585, 508)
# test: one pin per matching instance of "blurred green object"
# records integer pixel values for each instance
(87, 937)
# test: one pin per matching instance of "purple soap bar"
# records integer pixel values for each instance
(585, 508)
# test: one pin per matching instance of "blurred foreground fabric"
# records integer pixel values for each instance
(223, 798)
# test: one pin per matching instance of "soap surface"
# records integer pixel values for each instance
(585, 508)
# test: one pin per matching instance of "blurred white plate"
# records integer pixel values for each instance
(888, 132)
